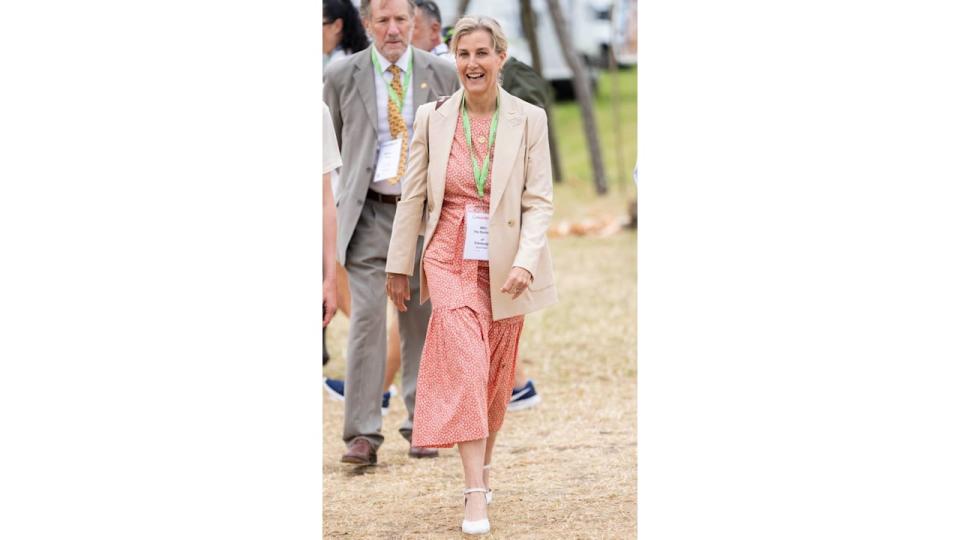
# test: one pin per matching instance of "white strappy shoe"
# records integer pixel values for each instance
(489, 494)
(478, 526)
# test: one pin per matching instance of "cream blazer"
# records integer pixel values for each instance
(521, 200)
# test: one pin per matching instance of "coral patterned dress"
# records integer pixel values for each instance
(466, 372)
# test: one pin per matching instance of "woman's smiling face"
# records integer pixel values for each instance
(478, 63)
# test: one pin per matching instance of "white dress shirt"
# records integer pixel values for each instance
(443, 51)
(381, 80)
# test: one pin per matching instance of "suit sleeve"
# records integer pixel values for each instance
(453, 82)
(409, 218)
(536, 202)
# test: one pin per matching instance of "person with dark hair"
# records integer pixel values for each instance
(343, 32)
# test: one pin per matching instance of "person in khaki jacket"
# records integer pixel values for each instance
(478, 185)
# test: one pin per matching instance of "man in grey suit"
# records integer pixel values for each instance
(373, 96)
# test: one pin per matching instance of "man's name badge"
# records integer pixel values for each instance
(388, 164)
(476, 247)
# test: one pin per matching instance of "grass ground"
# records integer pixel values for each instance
(567, 468)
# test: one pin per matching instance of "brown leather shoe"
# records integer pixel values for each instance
(360, 452)
(423, 452)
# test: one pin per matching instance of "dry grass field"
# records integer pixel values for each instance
(565, 469)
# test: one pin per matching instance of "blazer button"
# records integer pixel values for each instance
(430, 207)
(509, 223)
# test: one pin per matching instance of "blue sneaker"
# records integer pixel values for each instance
(524, 397)
(334, 388)
(385, 404)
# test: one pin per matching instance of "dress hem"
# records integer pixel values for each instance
(447, 444)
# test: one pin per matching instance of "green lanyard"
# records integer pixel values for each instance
(480, 175)
(406, 79)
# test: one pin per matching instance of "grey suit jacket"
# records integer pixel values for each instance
(350, 94)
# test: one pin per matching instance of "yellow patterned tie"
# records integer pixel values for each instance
(398, 126)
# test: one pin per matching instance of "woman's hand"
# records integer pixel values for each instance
(329, 299)
(517, 281)
(398, 290)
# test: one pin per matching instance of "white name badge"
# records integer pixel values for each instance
(388, 164)
(477, 243)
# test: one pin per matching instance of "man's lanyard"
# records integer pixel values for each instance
(480, 175)
(406, 78)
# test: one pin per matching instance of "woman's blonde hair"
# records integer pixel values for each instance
(472, 23)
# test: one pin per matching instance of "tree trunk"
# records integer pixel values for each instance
(581, 85)
(615, 101)
(621, 176)
(529, 23)
(554, 148)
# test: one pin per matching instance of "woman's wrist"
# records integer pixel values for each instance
(529, 273)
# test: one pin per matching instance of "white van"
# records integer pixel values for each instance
(625, 32)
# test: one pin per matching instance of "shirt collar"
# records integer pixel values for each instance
(402, 63)
(441, 49)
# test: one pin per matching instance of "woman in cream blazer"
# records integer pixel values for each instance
(520, 206)
(466, 371)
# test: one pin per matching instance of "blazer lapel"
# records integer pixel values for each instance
(441, 138)
(365, 85)
(507, 145)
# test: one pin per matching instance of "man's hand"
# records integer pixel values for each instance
(517, 281)
(398, 290)
(329, 299)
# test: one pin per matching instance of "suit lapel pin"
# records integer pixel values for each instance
(423, 85)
